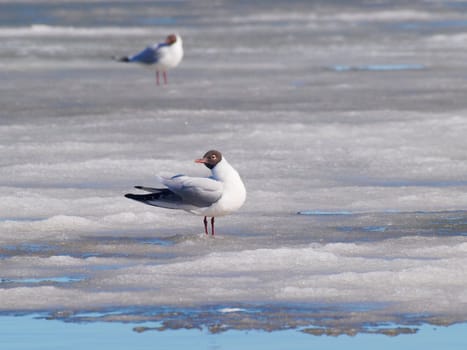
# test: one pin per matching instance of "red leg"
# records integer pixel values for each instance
(157, 77)
(165, 77)
(205, 225)
(212, 225)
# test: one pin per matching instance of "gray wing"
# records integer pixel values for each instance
(147, 56)
(197, 191)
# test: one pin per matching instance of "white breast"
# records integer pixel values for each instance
(171, 56)
(233, 196)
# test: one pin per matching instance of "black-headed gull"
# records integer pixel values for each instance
(162, 56)
(218, 195)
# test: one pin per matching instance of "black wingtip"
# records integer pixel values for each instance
(121, 59)
(130, 196)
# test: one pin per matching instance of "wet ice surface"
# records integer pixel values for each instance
(355, 216)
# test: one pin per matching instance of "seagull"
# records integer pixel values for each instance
(217, 195)
(162, 56)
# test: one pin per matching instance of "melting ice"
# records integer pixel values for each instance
(355, 177)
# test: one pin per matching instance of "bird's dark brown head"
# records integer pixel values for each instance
(172, 38)
(210, 159)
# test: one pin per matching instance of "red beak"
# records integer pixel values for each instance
(201, 160)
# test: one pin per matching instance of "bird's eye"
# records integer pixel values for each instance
(213, 156)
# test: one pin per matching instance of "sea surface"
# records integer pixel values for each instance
(345, 119)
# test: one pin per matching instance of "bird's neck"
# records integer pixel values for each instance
(223, 170)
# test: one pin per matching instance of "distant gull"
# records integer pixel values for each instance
(162, 56)
(218, 195)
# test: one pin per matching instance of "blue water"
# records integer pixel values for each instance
(30, 333)
(378, 67)
(60, 279)
(319, 212)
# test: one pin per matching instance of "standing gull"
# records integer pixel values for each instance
(218, 195)
(162, 56)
